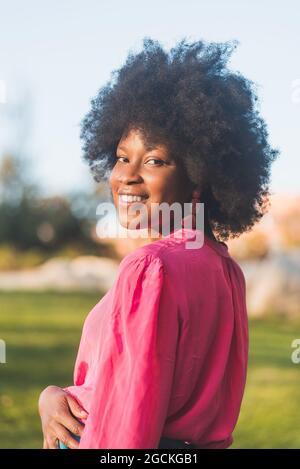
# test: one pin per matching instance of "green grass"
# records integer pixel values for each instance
(270, 413)
(42, 333)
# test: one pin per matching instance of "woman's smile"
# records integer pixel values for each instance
(127, 199)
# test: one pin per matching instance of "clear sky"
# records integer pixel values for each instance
(56, 54)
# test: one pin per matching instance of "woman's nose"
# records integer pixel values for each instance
(129, 174)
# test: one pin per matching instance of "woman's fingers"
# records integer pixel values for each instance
(75, 408)
(60, 415)
(65, 437)
(45, 444)
(52, 443)
(71, 424)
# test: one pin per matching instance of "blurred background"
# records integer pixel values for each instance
(54, 56)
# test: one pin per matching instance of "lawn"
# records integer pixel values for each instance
(42, 333)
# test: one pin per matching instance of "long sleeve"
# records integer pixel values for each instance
(135, 368)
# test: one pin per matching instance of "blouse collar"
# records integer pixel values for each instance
(187, 233)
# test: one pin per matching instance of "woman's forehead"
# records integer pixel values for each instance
(137, 137)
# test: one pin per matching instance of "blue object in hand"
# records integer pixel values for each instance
(62, 446)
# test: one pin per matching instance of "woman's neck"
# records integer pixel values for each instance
(208, 231)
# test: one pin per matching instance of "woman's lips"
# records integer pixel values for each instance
(126, 203)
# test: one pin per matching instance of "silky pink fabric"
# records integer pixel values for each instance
(165, 351)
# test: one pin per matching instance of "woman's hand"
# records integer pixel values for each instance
(57, 410)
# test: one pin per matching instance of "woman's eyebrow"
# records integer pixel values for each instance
(147, 148)
(151, 147)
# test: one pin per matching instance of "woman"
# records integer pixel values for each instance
(162, 360)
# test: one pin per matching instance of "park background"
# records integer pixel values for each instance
(54, 56)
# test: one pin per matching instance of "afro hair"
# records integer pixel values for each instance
(203, 112)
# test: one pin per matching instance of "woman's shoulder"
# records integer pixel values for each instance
(149, 253)
(171, 253)
(144, 261)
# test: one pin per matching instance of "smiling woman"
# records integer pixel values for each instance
(147, 176)
(163, 356)
(191, 110)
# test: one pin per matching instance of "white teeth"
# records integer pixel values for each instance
(131, 198)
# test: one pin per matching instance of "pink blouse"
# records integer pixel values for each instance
(165, 351)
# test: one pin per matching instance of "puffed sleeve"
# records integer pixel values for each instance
(136, 363)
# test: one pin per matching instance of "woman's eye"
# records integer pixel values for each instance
(159, 161)
(119, 157)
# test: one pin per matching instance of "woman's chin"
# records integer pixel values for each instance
(136, 228)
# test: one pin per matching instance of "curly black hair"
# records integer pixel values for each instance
(207, 116)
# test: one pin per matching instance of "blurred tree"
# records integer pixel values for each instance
(28, 220)
(16, 203)
(50, 224)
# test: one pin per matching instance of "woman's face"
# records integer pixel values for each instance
(147, 172)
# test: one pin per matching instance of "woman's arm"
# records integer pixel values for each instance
(133, 376)
(59, 412)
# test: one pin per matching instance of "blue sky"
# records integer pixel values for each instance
(59, 53)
